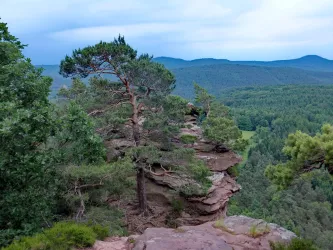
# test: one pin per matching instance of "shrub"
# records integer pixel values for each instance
(188, 139)
(177, 205)
(65, 235)
(191, 190)
(101, 231)
(62, 236)
(37, 242)
(295, 244)
(110, 218)
(233, 171)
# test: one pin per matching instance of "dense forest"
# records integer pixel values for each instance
(274, 112)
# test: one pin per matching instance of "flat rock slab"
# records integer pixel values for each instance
(179, 239)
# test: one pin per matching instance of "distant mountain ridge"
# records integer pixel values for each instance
(309, 62)
(219, 74)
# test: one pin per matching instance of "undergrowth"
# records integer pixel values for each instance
(62, 236)
(295, 244)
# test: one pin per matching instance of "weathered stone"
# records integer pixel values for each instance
(237, 233)
(232, 233)
(112, 243)
(174, 181)
(179, 239)
(219, 162)
(223, 187)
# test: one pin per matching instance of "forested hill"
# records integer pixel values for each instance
(216, 78)
(309, 62)
(217, 75)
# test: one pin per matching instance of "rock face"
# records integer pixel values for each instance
(218, 195)
(218, 159)
(233, 233)
(197, 210)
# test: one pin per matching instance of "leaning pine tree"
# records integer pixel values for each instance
(141, 86)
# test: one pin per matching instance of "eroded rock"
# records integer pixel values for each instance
(223, 187)
(233, 233)
(179, 239)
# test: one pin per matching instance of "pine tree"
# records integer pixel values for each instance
(141, 87)
(306, 153)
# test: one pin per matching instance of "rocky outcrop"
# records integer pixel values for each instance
(199, 209)
(223, 187)
(233, 233)
(218, 159)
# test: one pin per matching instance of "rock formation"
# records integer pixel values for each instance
(218, 159)
(233, 233)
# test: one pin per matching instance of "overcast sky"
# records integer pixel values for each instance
(189, 29)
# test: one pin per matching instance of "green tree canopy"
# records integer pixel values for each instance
(26, 178)
(306, 153)
(217, 125)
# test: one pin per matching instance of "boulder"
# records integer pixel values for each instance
(243, 232)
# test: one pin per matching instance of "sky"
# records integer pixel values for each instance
(188, 29)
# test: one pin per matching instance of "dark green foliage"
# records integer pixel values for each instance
(295, 244)
(101, 231)
(88, 185)
(219, 78)
(217, 125)
(306, 153)
(298, 107)
(188, 139)
(27, 177)
(107, 217)
(223, 130)
(177, 206)
(306, 206)
(203, 99)
(192, 190)
(76, 141)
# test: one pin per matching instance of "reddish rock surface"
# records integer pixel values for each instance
(222, 189)
(233, 233)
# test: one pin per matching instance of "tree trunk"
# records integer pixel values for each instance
(140, 176)
(141, 190)
(135, 121)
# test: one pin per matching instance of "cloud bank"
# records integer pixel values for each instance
(239, 30)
